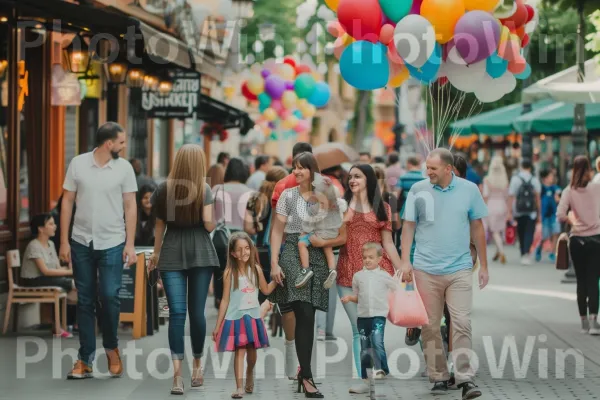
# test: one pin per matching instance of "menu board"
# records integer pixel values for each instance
(127, 293)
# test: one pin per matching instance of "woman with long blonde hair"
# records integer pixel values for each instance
(495, 193)
(185, 254)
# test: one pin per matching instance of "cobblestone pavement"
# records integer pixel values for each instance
(525, 332)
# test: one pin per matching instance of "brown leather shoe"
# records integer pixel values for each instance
(80, 371)
(115, 366)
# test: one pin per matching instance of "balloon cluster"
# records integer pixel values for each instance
(287, 93)
(476, 45)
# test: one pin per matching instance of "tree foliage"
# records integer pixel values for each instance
(273, 25)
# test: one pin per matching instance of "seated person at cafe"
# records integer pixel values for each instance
(144, 232)
(41, 266)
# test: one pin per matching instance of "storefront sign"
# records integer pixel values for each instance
(66, 89)
(23, 85)
(180, 103)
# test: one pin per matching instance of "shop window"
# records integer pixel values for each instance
(137, 125)
(185, 132)
(160, 155)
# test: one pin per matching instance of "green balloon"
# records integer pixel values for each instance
(264, 100)
(395, 10)
(305, 85)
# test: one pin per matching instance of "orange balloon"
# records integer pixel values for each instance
(399, 78)
(443, 15)
(387, 34)
(484, 5)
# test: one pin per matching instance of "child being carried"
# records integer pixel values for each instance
(325, 217)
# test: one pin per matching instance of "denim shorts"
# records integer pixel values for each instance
(550, 226)
(305, 239)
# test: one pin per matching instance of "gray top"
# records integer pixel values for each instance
(35, 249)
(185, 247)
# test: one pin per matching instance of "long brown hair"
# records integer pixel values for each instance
(232, 265)
(187, 182)
(263, 197)
(582, 172)
(215, 175)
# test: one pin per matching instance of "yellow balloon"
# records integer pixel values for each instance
(484, 5)
(302, 103)
(286, 71)
(256, 84)
(443, 15)
(333, 4)
(309, 111)
(270, 114)
(399, 79)
(346, 39)
(289, 99)
(290, 122)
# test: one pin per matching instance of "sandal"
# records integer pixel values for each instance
(177, 386)
(249, 388)
(238, 394)
(197, 377)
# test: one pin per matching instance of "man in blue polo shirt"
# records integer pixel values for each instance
(443, 214)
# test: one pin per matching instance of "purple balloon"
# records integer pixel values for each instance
(416, 7)
(289, 85)
(274, 86)
(476, 36)
(265, 73)
(272, 125)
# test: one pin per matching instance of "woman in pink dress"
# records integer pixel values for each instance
(368, 219)
(495, 193)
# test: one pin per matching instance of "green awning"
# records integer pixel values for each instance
(495, 122)
(556, 118)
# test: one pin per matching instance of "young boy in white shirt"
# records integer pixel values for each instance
(370, 287)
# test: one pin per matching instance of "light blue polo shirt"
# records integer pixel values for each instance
(443, 219)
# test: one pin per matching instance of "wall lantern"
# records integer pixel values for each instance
(116, 72)
(135, 78)
(77, 56)
(151, 82)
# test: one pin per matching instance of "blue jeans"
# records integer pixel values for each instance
(176, 284)
(371, 342)
(352, 312)
(97, 270)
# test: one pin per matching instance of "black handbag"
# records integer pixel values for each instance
(221, 235)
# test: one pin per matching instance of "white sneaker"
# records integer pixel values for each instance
(526, 260)
(330, 281)
(594, 327)
(379, 375)
(359, 388)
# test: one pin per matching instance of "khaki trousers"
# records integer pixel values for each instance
(457, 291)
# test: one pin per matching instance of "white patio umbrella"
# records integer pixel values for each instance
(581, 93)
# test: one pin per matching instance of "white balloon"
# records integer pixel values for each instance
(505, 9)
(491, 89)
(508, 82)
(414, 38)
(463, 76)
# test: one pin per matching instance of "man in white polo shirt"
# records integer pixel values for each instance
(104, 187)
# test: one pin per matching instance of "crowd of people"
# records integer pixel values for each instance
(285, 249)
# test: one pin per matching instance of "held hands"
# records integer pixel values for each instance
(405, 271)
(277, 274)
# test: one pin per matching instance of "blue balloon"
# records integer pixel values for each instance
(496, 66)
(262, 107)
(264, 100)
(298, 114)
(320, 96)
(428, 72)
(525, 74)
(365, 66)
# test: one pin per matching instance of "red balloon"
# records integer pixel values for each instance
(289, 60)
(525, 41)
(361, 18)
(518, 19)
(442, 80)
(518, 65)
(247, 93)
(302, 68)
(530, 12)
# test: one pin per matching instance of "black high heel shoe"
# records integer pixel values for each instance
(307, 394)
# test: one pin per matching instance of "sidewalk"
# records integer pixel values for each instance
(523, 319)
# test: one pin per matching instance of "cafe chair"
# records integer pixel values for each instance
(43, 294)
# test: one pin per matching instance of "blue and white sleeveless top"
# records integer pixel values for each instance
(244, 299)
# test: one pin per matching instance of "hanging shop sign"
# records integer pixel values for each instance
(66, 88)
(181, 102)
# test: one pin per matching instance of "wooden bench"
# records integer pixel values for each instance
(43, 294)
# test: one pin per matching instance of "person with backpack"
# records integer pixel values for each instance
(524, 206)
(550, 226)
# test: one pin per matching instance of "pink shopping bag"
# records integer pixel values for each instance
(406, 307)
